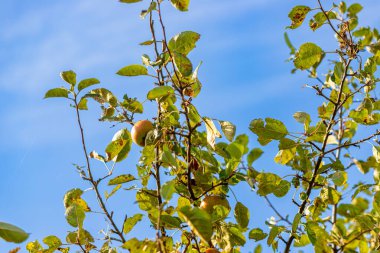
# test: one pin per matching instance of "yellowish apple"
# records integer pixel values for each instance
(140, 130)
(212, 250)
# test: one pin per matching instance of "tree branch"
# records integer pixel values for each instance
(91, 178)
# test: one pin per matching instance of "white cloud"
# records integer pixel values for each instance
(87, 35)
(92, 35)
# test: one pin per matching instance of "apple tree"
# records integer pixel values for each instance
(190, 162)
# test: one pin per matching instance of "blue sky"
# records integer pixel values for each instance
(244, 76)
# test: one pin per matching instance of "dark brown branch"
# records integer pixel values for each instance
(330, 125)
(156, 165)
(329, 21)
(353, 239)
(320, 93)
(184, 103)
(346, 145)
(223, 182)
(91, 178)
(315, 145)
(352, 94)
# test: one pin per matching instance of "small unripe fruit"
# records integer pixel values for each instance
(140, 130)
(209, 202)
(212, 250)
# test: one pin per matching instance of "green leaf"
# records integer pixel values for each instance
(302, 241)
(135, 246)
(236, 236)
(69, 77)
(194, 117)
(319, 19)
(273, 130)
(308, 55)
(170, 222)
(146, 200)
(199, 221)
(348, 210)
(241, 214)
(159, 92)
(315, 232)
(34, 247)
(130, 1)
(53, 242)
(267, 182)
(183, 64)
(342, 7)
(114, 190)
(75, 215)
(296, 221)
(82, 105)
(133, 70)
(285, 156)
(253, 155)
(132, 105)
(311, 228)
(303, 118)
(258, 249)
(228, 129)
(286, 143)
(338, 73)
(11, 233)
(354, 9)
(330, 195)
(370, 66)
(82, 235)
(365, 221)
(376, 202)
(376, 153)
(168, 158)
(289, 44)
(152, 6)
(282, 189)
(274, 232)
(168, 189)
(118, 149)
(297, 15)
(102, 96)
(146, 43)
(130, 222)
(183, 42)
(257, 234)
(182, 5)
(121, 179)
(87, 83)
(57, 92)
(339, 178)
(73, 196)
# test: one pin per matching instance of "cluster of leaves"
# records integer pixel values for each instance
(329, 217)
(183, 167)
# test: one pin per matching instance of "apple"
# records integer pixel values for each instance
(140, 130)
(209, 202)
(212, 250)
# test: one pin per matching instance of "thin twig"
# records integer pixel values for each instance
(91, 178)
(276, 211)
(346, 145)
